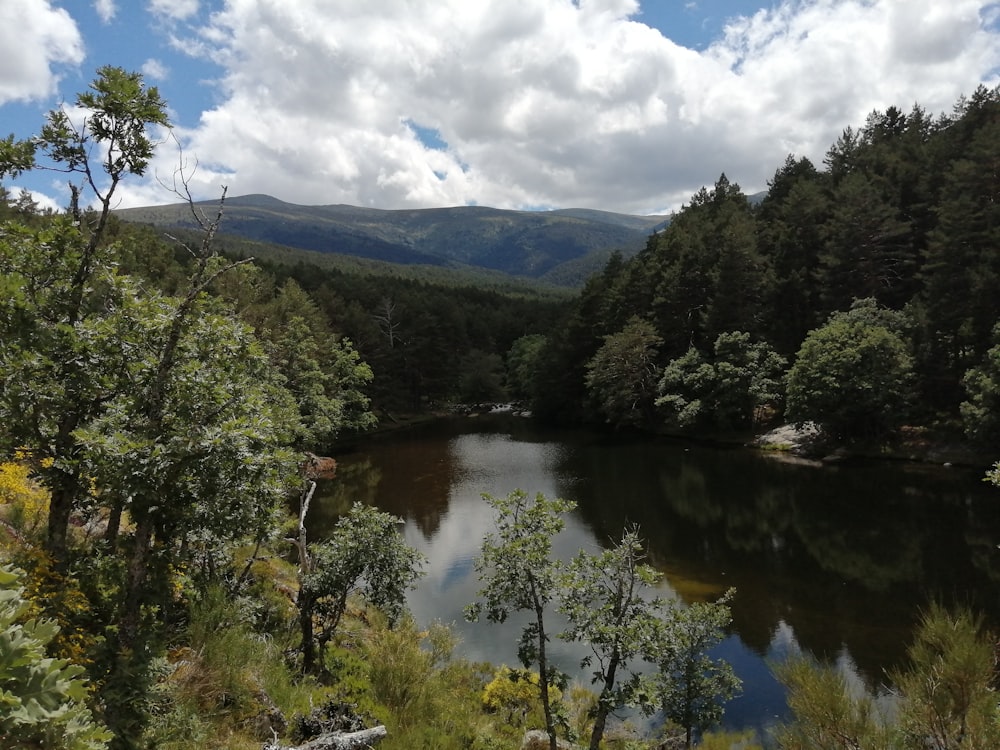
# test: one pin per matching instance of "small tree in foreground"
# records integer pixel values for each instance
(41, 699)
(691, 687)
(519, 574)
(365, 555)
(602, 597)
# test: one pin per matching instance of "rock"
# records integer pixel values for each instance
(536, 739)
(318, 467)
(798, 439)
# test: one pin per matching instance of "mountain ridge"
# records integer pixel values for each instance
(563, 244)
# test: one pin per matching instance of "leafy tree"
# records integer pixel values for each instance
(58, 274)
(206, 424)
(741, 280)
(622, 375)
(689, 686)
(684, 380)
(726, 392)
(854, 374)
(363, 555)
(560, 391)
(518, 574)
(981, 412)
(42, 700)
(603, 599)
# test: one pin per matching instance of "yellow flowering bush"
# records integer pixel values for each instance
(57, 597)
(515, 691)
(25, 504)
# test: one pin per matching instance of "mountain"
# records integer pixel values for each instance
(564, 246)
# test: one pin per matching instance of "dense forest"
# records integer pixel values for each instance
(870, 288)
(161, 400)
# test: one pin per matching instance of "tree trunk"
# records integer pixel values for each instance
(603, 708)
(60, 508)
(306, 629)
(114, 523)
(135, 583)
(543, 675)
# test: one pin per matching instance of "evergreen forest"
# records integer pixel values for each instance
(163, 399)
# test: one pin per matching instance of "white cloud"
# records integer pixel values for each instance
(35, 38)
(547, 103)
(155, 69)
(177, 10)
(106, 10)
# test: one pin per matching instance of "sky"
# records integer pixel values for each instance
(620, 105)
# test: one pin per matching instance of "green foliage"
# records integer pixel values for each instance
(948, 697)
(403, 667)
(868, 249)
(622, 375)
(228, 682)
(523, 362)
(322, 370)
(161, 413)
(853, 375)
(364, 555)
(481, 377)
(981, 413)
(993, 475)
(605, 598)
(518, 574)
(904, 213)
(726, 392)
(944, 697)
(829, 714)
(689, 686)
(42, 700)
(55, 349)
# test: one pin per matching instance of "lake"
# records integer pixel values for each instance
(831, 560)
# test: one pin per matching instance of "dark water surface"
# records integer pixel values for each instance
(835, 561)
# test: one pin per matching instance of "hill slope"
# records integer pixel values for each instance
(532, 244)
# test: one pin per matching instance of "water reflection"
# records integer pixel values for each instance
(834, 561)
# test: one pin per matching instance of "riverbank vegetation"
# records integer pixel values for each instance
(158, 400)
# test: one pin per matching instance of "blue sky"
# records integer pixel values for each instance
(614, 104)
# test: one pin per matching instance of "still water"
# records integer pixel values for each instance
(833, 560)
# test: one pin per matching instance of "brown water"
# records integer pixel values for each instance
(835, 561)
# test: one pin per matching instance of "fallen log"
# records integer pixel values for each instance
(338, 741)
